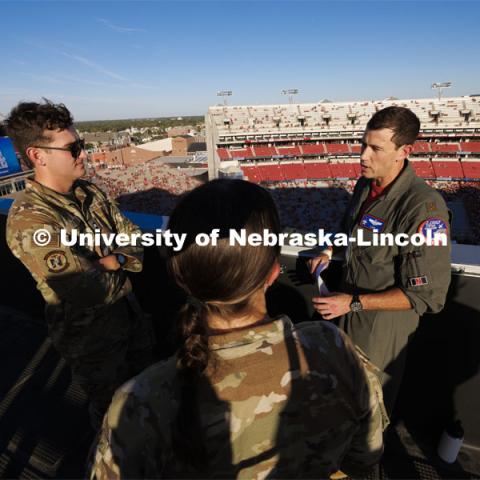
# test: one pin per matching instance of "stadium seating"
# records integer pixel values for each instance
(294, 171)
(271, 173)
(223, 154)
(471, 170)
(265, 152)
(450, 169)
(338, 148)
(356, 148)
(318, 170)
(343, 170)
(423, 169)
(421, 147)
(252, 174)
(241, 153)
(287, 151)
(444, 147)
(313, 149)
(470, 147)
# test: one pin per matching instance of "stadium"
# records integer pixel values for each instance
(307, 155)
(317, 146)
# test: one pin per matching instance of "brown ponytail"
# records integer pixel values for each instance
(217, 280)
(192, 360)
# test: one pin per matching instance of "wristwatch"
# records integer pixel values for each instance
(121, 259)
(356, 304)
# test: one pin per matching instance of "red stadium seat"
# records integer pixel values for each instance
(313, 149)
(343, 170)
(272, 173)
(423, 169)
(294, 171)
(447, 169)
(338, 148)
(223, 154)
(471, 169)
(421, 147)
(243, 153)
(317, 170)
(355, 148)
(252, 173)
(265, 152)
(444, 147)
(470, 147)
(294, 151)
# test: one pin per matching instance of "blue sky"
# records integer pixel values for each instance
(124, 59)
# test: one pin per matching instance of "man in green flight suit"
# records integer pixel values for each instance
(386, 288)
(92, 316)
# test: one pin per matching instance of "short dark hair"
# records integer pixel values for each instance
(404, 123)
(27, 122)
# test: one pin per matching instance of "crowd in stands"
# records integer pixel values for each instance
(469, 194)
(304, 206)
(149, 188)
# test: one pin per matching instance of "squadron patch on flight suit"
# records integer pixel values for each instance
(56, 261)
(431, 227)
(372, 223)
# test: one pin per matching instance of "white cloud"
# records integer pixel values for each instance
(98, 68)
(118, 28)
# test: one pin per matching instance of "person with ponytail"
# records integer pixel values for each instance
(246, 395)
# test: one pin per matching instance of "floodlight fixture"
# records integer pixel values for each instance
(224, 94)
(290, 92)
(440, 87)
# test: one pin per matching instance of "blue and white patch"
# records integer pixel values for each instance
(372, 223)
(431, 227)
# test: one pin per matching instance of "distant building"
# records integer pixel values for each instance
(104, 139)
(164, 145)
(180, 145)
(182, 130)
(127, 156)
(197, 147)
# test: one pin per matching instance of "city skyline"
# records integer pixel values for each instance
(134, 59)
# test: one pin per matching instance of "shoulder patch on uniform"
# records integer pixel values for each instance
(56, 261)
(431, 206)
(431, 227)
(372, 223)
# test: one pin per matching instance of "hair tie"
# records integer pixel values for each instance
(195, 302)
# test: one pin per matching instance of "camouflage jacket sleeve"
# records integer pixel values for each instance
(132, 253)
(367, 443)
(69, 271)
(425, 271)
(131, 443)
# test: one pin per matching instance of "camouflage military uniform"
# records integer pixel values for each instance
(281, 401)
(421, 272)
(92, 317)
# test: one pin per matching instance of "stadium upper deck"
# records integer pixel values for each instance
(235, 123)
(244, 138)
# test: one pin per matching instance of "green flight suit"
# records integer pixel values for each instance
(92, 317)
(422, 272)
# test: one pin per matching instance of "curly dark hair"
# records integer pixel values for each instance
(28, 122)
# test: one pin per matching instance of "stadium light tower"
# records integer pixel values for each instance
(440, 87)
(290, 92)
(225, 94)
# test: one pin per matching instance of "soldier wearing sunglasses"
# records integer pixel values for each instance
(92, 316)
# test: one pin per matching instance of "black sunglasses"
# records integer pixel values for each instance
(74, 148)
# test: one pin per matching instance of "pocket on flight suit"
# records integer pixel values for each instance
(415, 271)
